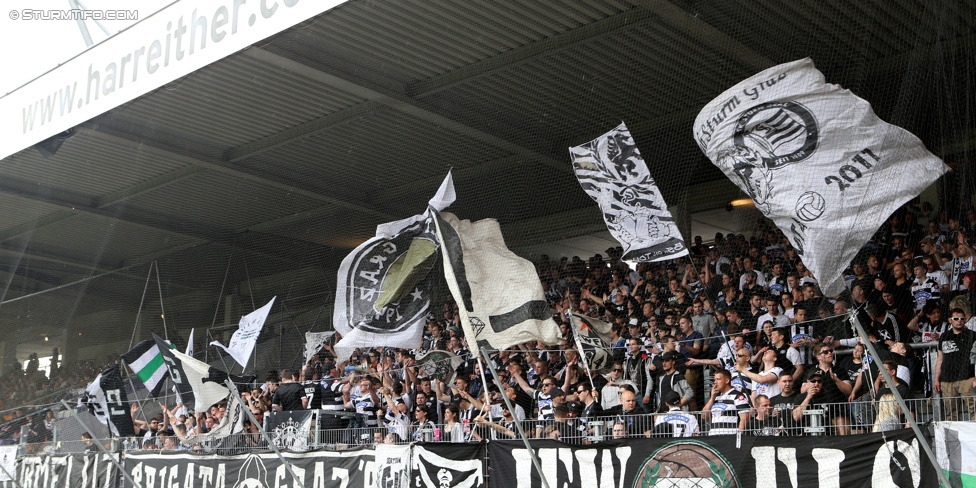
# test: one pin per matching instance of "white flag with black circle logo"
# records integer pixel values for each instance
(612, 172)
(816, 160)
(592, 341)
(384, 285)
(499, 295)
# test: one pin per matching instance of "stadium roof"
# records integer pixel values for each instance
(254, 175)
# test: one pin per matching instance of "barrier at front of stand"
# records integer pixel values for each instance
(890, 459)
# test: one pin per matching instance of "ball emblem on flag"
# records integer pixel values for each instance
(810, 206)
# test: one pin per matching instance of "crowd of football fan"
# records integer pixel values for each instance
(735, 337)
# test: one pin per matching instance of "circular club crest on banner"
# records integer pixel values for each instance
(389, 286)
(779, 133)
(686, 463)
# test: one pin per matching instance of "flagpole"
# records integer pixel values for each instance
(138, 402)
(518, 425)
(220, 296)
(141, 301)
(74, 415)
(254, 421)
(484, 391)
(162, 311)
(901, 401)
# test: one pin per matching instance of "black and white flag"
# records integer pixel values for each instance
(499, 295)
(612, 172)
(291, 430)
(592, 337)
(198, 384)
(384, 285)
(242, 342)
(816, 160)
(448, 466)
(106, 400)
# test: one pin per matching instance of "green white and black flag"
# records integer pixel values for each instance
(612, 172)
(146, 362)
(384, 285)
(106, 400)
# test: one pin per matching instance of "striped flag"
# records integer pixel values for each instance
(146, 362)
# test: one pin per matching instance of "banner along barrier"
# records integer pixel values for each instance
(767, 462)
(892, 459)
(431, 465)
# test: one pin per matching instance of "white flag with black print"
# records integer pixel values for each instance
(592, 340)
(314, 341)
(384, 286)
(816, 160)
(612, 172)
(499, 294)
(242, 342)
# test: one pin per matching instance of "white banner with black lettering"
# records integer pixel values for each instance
(612, 172)
(816, 160)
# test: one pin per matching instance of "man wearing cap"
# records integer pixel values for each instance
(833, 387)
(673, 381)
(679, 423)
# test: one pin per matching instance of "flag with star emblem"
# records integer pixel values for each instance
(384, 286)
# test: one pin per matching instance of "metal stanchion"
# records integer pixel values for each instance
(901, 401)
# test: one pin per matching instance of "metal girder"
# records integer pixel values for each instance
(664, 9)
(395, 101)
(109, 129)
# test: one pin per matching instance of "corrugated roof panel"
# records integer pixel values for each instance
(364, 154)
(18, 210)
(207, 103)
(452, 36)
(100, 241)
(228, 203)
(92, 165)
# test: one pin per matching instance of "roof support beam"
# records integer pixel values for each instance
(664, 9)
(395, 101)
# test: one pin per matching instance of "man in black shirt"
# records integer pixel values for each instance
(784, 404)
(289, 395)
(834, 387)
(954, 367)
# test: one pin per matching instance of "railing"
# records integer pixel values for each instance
(815, 420)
